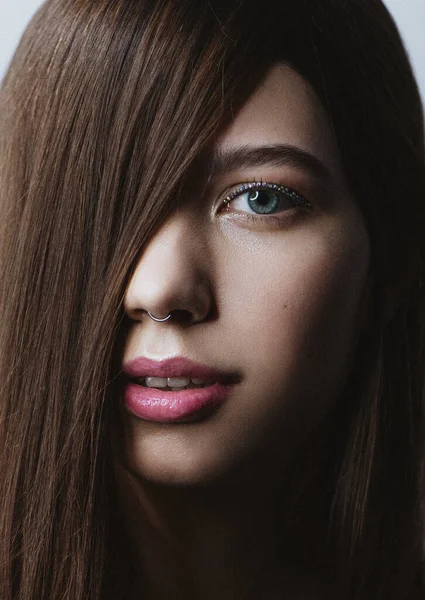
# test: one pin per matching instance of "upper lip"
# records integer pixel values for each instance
(174, 367)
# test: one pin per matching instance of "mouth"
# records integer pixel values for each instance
(175, 390)
(172, 384)
(180, 370)
(170, 406)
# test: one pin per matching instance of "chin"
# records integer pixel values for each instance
(164, 463)
(175, 473)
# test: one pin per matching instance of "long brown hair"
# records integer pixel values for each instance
(104, 110)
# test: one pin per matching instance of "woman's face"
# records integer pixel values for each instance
(267, 287)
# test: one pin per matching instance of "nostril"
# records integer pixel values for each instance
(182, 316)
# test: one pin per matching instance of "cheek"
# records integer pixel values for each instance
(301, 310)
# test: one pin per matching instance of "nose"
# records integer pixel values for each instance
(172, 275)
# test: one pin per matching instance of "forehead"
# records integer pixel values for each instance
(283, 109)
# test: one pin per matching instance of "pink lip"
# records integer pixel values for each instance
(173, 367)
(154, 404)
(159, 405)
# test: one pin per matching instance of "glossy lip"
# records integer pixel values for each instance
(153, 404)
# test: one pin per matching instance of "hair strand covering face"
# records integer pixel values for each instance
(101, 127)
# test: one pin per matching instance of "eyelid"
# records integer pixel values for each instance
(298, 199)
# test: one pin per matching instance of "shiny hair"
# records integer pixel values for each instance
(104, 110)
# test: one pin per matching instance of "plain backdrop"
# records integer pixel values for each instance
(409, 15)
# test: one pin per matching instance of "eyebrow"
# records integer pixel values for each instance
(242, 157)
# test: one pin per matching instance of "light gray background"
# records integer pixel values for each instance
(409, 15)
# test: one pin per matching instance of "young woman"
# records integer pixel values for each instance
(226, 195)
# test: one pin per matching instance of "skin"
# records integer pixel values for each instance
(288, 300)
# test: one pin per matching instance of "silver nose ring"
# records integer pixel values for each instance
(159, 320)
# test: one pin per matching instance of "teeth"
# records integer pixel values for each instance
(178, 381)
(157, 382)
(175, 383)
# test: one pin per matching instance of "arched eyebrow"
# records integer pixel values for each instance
(225, 161)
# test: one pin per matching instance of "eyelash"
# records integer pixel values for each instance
(296, 199)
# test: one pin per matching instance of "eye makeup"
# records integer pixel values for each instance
(295, 198)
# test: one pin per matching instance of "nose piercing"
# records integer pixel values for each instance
(159, 320)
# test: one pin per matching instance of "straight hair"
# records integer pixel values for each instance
(104, 110)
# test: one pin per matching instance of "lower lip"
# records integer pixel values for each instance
(154, 404)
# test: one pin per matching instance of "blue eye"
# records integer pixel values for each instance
(267, 198)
